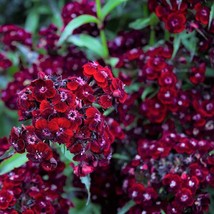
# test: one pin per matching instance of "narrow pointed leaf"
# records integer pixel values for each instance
(87, 182)
(8, 153)
(211, 16)
(89, 42)
(109, 6)
(13, 162)
(75, 23)
(126, 207)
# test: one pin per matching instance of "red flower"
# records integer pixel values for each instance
(154, 110)
(175, 22)
(39, 152)
(61, 127)
(167, 79)
(42, 89)
(173, 182)
(167, 95)
(63, 100)
(202, 13)
(16, 139)
(156, 63)
(191, 183)
(184, 197)
(6, 198)
(75, 82)
(105, 101)
(43, 129)
(94, 119)
(75, 118)
(117, 88)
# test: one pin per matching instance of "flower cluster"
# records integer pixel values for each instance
(176, 16)
(63, 111)
(29, 190)
(175, 169)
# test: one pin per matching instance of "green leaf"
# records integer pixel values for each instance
(80, 208)
(133, 87)
(32, 20)
(140, 23)
(93, 44)
(126, 207)
(29, 55)
(211, 152)
(209, 72)
(13, 162)
(120, 157)
(109, 6)
(87, 182)
(8, 153)
(108, 111)
(211, 16)
(146, 92)
(163, 212)
(176, 45)
(75, 23)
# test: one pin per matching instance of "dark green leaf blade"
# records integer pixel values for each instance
(126, 207)
(91, 43)
(109, 6)
(87, 182)
(75, 23)
(13, 162)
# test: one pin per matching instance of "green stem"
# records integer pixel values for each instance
(152, 36)
(98, 7)
(104, 43)
(102, 32)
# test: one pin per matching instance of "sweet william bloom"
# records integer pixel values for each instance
(16, 139)
(42, 89)
(95, 120)
(6, 198)
(60, 127)
(202, 13)
(117, 88)
(39, 152)
(43, 130)
(4, 62)
(63, 100)
(184, 197)
(105, 101)
(172, 182)
(175, 22)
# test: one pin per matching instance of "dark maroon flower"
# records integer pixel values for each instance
(95, 120)
(167, 79)
(61, 128)
(43, 129)
(105, 101)
(184, 197)
(11, 35)
(17, 140)
(64, 100)
(202, 13)
(167, 95)
(173, 182)
(6, 198)
(39, 152)
(42, 89)
(118, 91)
(4, 62)
(154, 110)
(175, 22)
